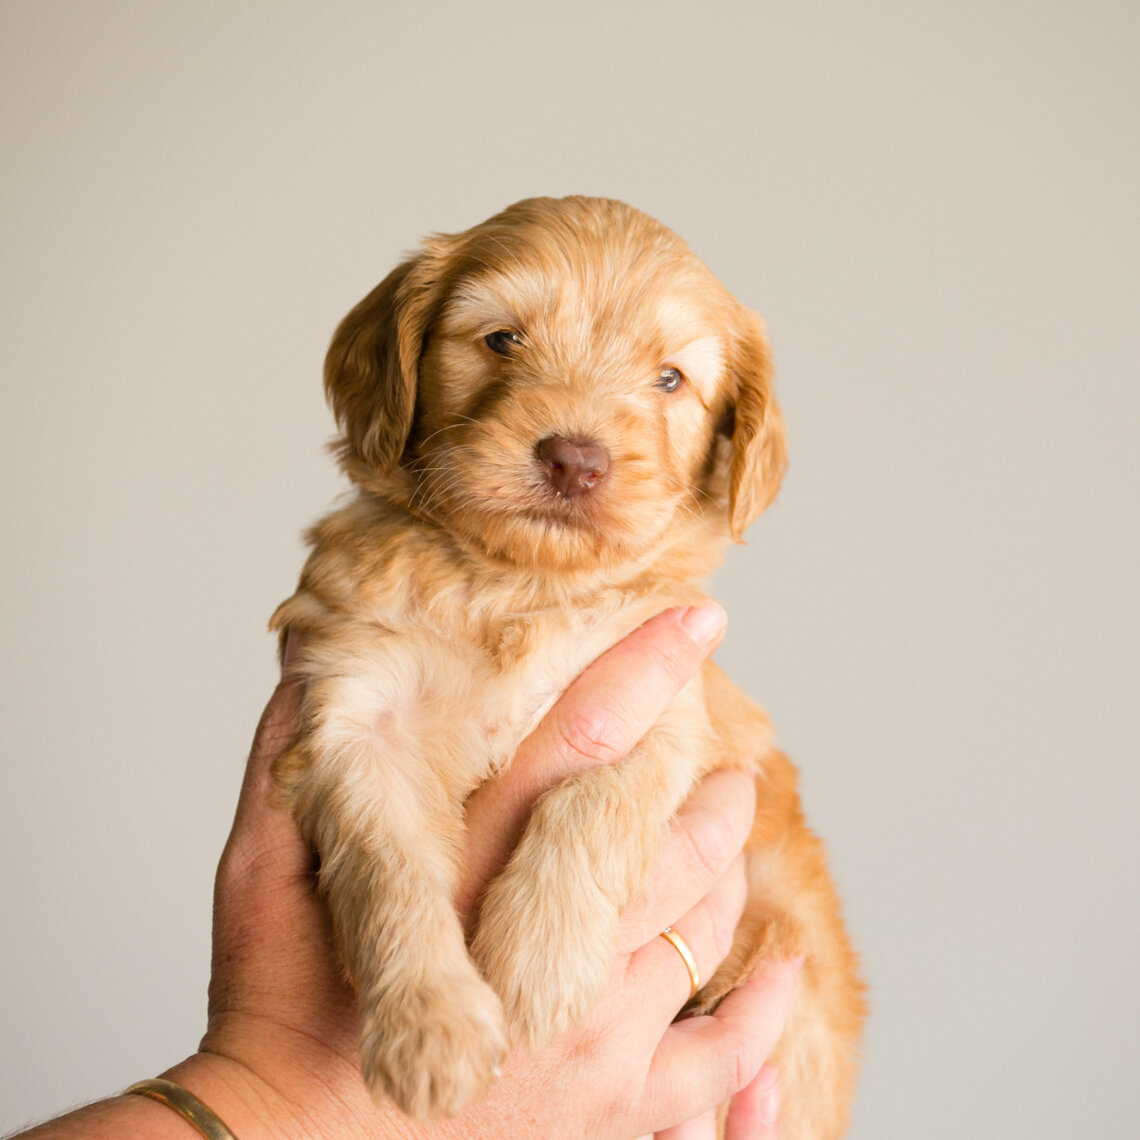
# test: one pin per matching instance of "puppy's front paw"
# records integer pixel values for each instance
(434, 1049)
(548, 954)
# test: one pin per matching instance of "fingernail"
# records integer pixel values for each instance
(704, 623)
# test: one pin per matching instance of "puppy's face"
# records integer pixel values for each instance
(564, 385)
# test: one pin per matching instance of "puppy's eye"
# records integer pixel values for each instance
(669, 380)
(503, 341)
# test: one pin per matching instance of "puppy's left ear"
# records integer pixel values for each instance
(759, 446)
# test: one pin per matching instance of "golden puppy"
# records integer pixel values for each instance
(556, 421)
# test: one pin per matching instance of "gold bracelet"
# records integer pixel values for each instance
(186, 1104)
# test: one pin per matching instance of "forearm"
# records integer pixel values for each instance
(113, 1119)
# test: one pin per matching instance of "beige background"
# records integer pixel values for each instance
(935, 204)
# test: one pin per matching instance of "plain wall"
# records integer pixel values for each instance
(935, 206)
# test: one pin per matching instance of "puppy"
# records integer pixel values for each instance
(556, 421)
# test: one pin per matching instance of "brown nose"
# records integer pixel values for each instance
(572, 466)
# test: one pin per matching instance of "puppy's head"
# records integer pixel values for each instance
(564, 384)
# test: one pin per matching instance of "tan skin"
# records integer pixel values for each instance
(279, 1056)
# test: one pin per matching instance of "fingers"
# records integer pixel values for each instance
(276, 731)
(273, 952)
(702, 1128)
(598, 720)
(618, 698)
(259, 825)
(754, 1113)
(698, 888)
(660, 969)
(709, 833)
(622, 694)
(703, 1061)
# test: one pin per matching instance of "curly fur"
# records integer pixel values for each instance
(451, 601)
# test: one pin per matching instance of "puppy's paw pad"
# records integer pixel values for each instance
(435, 1050)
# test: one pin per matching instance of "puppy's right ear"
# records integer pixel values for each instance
(372, 364)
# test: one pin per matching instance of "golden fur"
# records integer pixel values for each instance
(457, 595)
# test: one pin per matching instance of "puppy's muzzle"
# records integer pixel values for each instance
(572, 467)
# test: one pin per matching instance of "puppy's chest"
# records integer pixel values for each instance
(478, 698)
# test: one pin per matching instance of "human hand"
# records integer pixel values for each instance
(280, 1052)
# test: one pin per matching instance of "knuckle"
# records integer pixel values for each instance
(231, 869)
(736, 1065)
(714, 921)
(626, 1097)
(709, 843)
(742, 1070)
(722, 929)
(590, 732)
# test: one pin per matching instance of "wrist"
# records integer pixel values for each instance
(254, 1107)
(248, 1106)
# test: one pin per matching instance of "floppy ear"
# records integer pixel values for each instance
(759, 452)
(373, 361)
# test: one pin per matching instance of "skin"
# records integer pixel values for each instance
(279, 1056)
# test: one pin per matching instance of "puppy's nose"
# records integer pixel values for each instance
(572, 466)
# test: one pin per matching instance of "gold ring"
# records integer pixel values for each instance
(682, 948)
